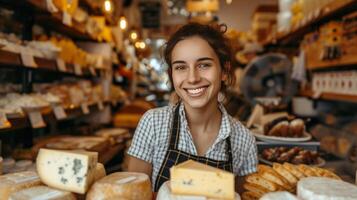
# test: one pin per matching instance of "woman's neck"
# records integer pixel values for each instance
(203, 119)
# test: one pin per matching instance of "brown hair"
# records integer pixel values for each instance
(214, 35)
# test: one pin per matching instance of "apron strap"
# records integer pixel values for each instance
(229, 150)
(175, 130)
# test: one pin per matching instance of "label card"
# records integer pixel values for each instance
(4, 122)
(100, 105)
(77, 69)
(59, 112)
(61, 65)
(28, 60)
(67, 19)
(36, 119)
(85, 109)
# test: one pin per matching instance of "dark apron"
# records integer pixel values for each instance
(174, 156)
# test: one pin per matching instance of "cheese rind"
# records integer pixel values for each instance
(10, 183)
(194, 178)
(99, 172)
(321, 188)
(42, 193)
(67, 170)
(165, 193)
(121, 185)
(279, 196)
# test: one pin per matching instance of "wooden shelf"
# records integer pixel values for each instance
(344, 61)
(332, 11)
(331, 96)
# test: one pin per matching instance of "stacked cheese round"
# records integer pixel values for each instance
(279, 196)
(166, 194)
(42, 193)
(321, 188)
(122, 185)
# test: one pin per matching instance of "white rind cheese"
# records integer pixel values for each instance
(67, 170)
(321, 188)
(278, 196)
(42, 193)
(121, 185)
(194, 178)
(11, 183)
(166, 194)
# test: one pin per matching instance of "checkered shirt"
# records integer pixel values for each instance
(152, 137)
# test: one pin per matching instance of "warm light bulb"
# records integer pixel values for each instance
(133, 35)
(107, 6)
(122, 23)
(229, 1)
(142, 45)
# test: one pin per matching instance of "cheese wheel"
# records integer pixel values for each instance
(279, 196)
(166, 194)
(121, 185)
(42, 193)
(67, 170)
(8, 164)
(321, 188)
(99, 172)
(10, 183)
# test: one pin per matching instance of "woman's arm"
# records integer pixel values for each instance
(137, 165)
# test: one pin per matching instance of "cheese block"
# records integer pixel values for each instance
(99, 172)
(42, 193)
(121, 185)
(194, 178)
(10, 183)
(165, 193)
(321, 188)
(67, 170)
(279, 196)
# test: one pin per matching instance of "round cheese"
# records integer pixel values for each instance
(42, 193)
(122, 185)
(279, 196)
(321, 188)
(166, 194)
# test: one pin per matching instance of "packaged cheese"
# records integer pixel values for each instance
(121, 185)
(316, 188)
(42, 193)
(67, 170)
(11, 183)
(194, 178)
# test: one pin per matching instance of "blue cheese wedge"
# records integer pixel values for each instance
(72, 171)
(42, 193)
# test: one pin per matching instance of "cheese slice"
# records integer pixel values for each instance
(165, 193)
(279, 196)
(10, 183)
(321, 188)
(194, 178)
(121, 185)
(42, 193)
(67, 170)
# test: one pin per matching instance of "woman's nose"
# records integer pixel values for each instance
(193, 75)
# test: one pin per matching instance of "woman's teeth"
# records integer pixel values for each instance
(195, 91)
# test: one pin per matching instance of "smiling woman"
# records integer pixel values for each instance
(198, 126)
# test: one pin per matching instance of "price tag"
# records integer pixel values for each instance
(92, 71)
(61, 65)
(4, 122)
(100, 105)
(36, 119)
(28, 60)
(67, 19)
(51, 6)
(59, 112)
(77, 69)
(85, 109)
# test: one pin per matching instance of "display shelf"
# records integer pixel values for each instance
(10, 59)
(96, 11)
(330, 96)
(72, 112)
(334, 10)
(345, 61)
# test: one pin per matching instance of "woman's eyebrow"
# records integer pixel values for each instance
(178, 62)
(204, 58)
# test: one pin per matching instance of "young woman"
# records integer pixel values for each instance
(198, 126)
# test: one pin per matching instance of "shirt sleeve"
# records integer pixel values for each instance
(142, 145)
(250, 160)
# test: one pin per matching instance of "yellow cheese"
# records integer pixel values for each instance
(121, 185)
(67, 170)
(194, 178)
(42, 193)
(11, 183)
(99, 172)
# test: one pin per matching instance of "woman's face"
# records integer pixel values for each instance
(196, 72)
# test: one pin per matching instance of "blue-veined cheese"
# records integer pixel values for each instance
(67, 170)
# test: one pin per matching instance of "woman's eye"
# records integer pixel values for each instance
(179, 67)
(204, 65)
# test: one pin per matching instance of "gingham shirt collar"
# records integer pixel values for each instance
(225, 128)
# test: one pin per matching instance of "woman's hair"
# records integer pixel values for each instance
(214, 36)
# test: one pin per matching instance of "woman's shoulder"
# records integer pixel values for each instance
(240, 131)
(164, 111)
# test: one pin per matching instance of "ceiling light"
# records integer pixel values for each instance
(122, 23)
(107, 6)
